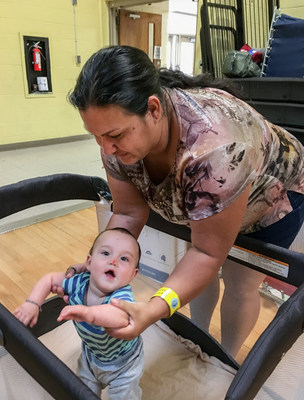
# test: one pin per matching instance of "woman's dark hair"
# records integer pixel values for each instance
(125, 76)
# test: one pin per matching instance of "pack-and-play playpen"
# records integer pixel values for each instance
(181, 360)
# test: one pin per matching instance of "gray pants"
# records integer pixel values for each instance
(122, 376)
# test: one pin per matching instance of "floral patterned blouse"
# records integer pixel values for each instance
(224, 146)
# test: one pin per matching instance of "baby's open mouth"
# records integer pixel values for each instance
(110, 273)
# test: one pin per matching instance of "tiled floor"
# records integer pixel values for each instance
(79, 157)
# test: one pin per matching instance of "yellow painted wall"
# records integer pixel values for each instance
(37, 117)
(294, 8)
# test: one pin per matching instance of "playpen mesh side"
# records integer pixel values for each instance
(275, 341)
(16, 383)
(287, 380)
(42, 364)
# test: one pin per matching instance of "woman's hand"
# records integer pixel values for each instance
(141, 316)
(75, 269)
(71, 271)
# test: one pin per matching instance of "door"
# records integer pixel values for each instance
(141, 30)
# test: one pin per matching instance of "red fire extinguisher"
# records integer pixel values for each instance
(37, 57)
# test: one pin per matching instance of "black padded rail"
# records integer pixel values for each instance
(55, 377)
(47, 189)
(47, 321)
(31, 192)
(294, 259)
(61, 382)
(270, 347)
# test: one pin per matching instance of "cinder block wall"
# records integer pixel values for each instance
(26, 117)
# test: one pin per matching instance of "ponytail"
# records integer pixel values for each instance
(177, 79)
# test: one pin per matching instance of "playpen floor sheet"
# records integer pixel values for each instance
(175, 368)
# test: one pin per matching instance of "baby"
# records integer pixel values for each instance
(112, 263)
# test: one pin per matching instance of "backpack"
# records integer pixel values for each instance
(238, 64)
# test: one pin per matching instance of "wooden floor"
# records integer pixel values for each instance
(53, 245)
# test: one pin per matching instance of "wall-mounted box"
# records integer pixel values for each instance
(37, 64)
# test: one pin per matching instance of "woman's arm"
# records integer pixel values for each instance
(28, 312)
(130, 210)
(211, 239)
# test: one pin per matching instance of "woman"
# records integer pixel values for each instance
(197, 155)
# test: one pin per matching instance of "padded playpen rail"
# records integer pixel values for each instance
(62, 383)
(53, 375)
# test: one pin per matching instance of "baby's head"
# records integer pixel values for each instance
(123, 231)
(113, 259)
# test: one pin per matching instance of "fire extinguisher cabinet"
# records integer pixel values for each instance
(38, 66)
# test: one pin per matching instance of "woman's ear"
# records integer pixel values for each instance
(155, 107)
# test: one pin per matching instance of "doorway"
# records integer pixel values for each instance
(177, 48)
(141, 30)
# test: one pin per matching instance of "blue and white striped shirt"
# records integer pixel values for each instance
(94, 337)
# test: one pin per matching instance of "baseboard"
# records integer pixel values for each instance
(42, 213)
(45, 142)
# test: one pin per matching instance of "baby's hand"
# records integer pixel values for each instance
(77, 313)
(60, 292)
(104, 315)
(27, 313)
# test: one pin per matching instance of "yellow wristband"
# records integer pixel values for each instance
(170, 297)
